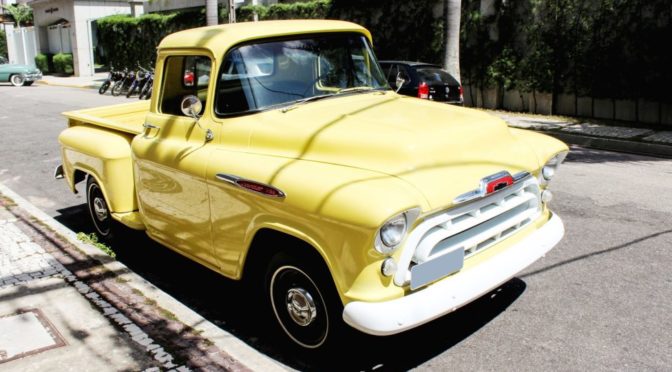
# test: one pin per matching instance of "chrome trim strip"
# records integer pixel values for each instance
(235, 181)
(481, 191)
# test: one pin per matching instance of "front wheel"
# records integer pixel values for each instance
(117, 88)
(17, 80)
(98, 209)
(104, 87)
(303, 301)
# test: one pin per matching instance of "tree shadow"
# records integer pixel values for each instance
(585, 155)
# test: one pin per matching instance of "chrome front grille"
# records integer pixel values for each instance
(468, 229)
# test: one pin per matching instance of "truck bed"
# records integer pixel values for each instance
(125, 117)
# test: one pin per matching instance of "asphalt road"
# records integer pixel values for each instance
(601, 300)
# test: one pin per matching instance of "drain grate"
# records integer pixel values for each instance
(26, 332)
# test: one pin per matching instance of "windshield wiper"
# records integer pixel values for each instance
(304, 100)
(297, 103)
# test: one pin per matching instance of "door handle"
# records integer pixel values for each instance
(149, 126)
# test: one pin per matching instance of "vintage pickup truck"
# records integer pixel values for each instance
(276, 153)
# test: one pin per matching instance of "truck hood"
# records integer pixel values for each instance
(441, 150)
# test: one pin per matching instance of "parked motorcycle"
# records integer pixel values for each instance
(146, 91)
(112, 78)
(122, 85)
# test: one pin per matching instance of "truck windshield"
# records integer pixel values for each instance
(275, 74)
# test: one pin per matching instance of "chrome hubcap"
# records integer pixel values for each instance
(100, 209)
(301, 306)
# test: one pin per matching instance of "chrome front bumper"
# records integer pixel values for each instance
(33, 77)
(455, 291)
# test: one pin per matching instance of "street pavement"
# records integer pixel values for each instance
(598, 301)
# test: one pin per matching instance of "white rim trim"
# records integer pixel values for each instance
(275, 311)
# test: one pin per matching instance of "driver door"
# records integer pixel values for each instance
(171, 157)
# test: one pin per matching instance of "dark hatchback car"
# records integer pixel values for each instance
(424, 80)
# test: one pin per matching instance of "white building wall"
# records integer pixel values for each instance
(84, 13)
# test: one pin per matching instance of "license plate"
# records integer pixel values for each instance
(437, 268)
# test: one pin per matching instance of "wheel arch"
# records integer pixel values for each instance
(269, 241)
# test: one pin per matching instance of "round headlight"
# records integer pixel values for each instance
(392, 233)
(548, 172)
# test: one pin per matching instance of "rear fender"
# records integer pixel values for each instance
(104, 155)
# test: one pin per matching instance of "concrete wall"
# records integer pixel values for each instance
(85, 12)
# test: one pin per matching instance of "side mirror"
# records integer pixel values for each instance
(401, 80)
(191, 106)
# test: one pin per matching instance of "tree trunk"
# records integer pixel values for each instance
(211, 16)
(451, 61)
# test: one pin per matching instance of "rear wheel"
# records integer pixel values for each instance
(98, 209)
(303, 301)
(17, 80)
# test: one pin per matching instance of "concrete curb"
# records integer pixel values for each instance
(222, 339)
(634, 147)
(80, 86)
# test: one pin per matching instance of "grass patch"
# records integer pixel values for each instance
(93, 240)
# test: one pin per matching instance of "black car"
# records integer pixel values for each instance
(424, 80)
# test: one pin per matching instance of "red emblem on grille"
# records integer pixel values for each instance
(498, 184)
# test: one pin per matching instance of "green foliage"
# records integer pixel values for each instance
(3, 44)
(315, 9)
(129, 42)
(63, 63)
(21, 13)
(93, 240)
(41, 61)
(604, 48)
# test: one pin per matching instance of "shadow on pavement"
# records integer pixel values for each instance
(591, 156)
(224, 303)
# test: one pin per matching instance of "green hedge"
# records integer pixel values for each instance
(129, 42)
(315, 9)
(63, 63)
(42, 62)
(3, 44)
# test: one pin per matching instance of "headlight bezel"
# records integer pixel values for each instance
(386, 247)
(549, 170)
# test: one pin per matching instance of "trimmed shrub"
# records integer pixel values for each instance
(63, 63)
(3, 44)
(130, 42)
(41, 61)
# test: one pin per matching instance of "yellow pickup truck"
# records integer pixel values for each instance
(276, 153)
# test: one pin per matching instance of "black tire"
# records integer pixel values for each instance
(148, 95)
(303, 300)
(117, 88)
(104, 87)
(98, 209)
(28, 83)
(17, 80)
(144, 91)
(131, 90)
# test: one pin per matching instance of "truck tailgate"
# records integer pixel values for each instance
(125, 117)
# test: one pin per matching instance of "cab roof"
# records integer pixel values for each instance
(218, 39)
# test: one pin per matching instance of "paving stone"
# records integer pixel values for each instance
(606, 131)
(660, 137)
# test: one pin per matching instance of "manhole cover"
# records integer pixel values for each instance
(25, 333)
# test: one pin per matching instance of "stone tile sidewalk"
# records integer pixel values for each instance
(66, 306)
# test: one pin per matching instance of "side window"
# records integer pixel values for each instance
(184, 76)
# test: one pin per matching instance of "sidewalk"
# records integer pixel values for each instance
(583, 132)
(64, 305)
(94, 81)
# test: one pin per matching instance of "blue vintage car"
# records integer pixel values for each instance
(18, 75)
